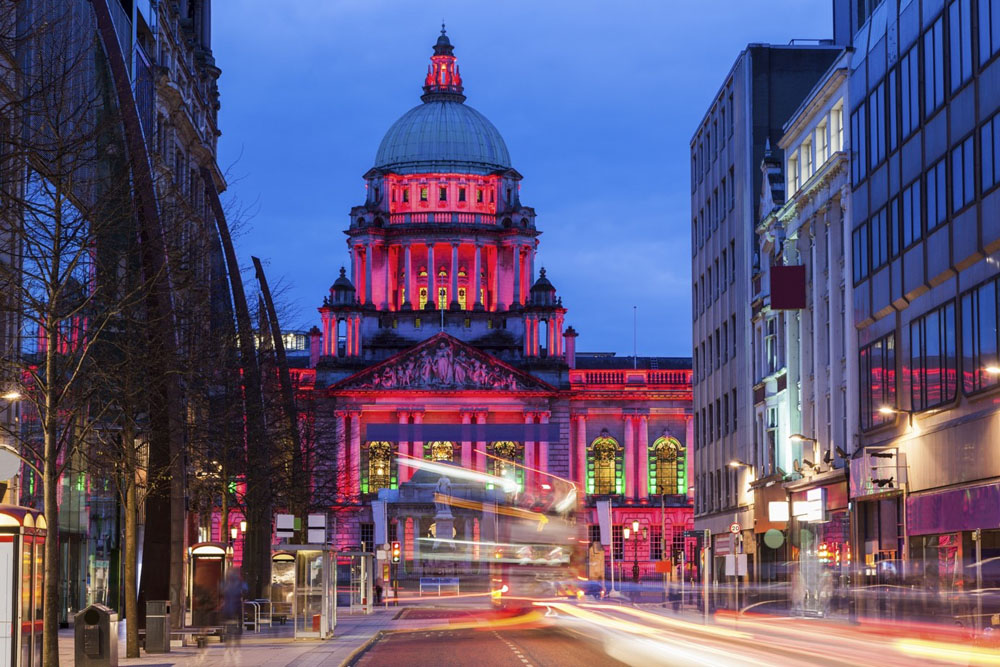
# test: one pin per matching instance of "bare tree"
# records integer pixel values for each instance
(64, 202)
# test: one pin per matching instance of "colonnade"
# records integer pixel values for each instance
(635, 457)
(388, 275)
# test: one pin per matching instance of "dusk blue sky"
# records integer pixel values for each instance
(596, 100)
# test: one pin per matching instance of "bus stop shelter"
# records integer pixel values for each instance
(22, 568)
(313, 590)
(356, 580)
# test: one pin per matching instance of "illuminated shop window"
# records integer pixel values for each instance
(379, 472)
(667, 472)
(508, 454)
(604, 466)
(439, 451)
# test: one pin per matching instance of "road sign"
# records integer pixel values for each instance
(10, 463)
(735, 528)
(700, 534)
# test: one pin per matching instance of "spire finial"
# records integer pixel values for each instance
(443, 80)
(443, 32)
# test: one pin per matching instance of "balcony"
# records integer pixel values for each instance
(443, 218)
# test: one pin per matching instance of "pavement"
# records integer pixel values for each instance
(271, 647)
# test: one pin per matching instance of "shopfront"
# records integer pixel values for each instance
(819, 547)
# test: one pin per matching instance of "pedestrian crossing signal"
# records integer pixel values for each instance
(395, 552)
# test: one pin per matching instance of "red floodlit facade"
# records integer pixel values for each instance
(441, 321)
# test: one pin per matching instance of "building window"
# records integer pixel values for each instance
(980, 327)
(733, 404)
(879, 240)
(656, 542)
(594, 533)
(732, 261)
(912, 222)
(960, 42)
(909, 92)
(793, 174)
(442, 193)
(933, 358)
(423, 194)
(822, 144)
(892, 93)
(618, 542)
(807, 160)
(990, 148)
(367, 536)
(380, 469)
(461, 194)
(859, 160)
(439, 451)
(936, 189)
(934, 67)
(837, 136)
(876, 126)
(771, 346)
(877, 371)
(605, 466)
(989, 29)
(963, 173)
(666, 467)
(732, 189)
(505, 455)
(406, 195)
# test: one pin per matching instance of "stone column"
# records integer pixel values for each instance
(356, 269)
(355, 454)
(551, 343)
(496, 277)
(527, 335)
(517, 275)
(477, 280)
(417, 446)
(409, 293)
(581, 452)
(453, 296)
(405, 471)
(340, 455)
(531, 269)
(481, 445)
(529, 455)
(369, 256)
(543, 448)
(629, 456)
(466, 444)
(388, 275)
(431, 277)
(643, 486)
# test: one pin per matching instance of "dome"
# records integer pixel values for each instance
(442, 135)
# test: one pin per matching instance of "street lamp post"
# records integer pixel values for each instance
(635, 546)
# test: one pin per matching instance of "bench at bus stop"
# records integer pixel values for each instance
(439, 584)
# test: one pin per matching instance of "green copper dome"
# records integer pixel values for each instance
(443, 134)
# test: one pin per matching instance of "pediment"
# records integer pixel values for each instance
(442, 363)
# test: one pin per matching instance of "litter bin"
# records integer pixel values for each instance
(96, 637)
(157, 626)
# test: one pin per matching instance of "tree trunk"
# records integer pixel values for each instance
(131, 545)
(50, 467)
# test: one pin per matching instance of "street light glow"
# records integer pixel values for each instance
(798, 437)
(992, 370)
(12, 395)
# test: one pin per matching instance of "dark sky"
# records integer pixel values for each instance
(596, 100)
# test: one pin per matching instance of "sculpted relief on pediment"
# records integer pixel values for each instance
(441, 365)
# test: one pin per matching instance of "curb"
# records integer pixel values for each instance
(359, 651)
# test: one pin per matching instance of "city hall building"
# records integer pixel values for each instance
(442, 321)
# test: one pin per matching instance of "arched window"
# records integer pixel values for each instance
(440, 451)
(380, 472)
(604, 466)
(341, 337)
(667, 473)
(505, 457)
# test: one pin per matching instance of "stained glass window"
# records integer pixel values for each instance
(440, 451)
(605, 466)
(667, 472)
(380, 469)
(507, 454)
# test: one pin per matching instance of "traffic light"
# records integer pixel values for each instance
(395, 552)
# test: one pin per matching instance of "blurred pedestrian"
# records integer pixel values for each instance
(378, 593)
(232, 605)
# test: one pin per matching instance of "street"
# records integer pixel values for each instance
(498, 648)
